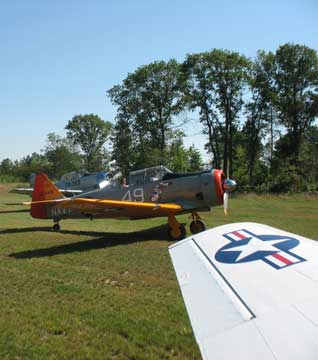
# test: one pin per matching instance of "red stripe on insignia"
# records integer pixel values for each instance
(282, 259)
(236, 233)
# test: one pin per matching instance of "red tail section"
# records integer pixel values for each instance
(43, 190)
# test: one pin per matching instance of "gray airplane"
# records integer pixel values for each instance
(152, 192)
(70, 184)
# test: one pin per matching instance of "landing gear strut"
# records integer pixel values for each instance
(176, 231)
(56, 227)
(197, 225)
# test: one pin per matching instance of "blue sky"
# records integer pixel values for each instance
(58, 58)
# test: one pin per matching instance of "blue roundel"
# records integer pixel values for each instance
(231, 252)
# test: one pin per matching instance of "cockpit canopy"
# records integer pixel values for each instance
(148, 175)
(74, 174)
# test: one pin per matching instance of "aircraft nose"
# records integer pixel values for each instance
(222, 188)
(229, 185)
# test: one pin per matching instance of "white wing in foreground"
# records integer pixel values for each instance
(251, 292)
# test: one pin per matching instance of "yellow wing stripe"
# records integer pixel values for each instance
(113, 208)
(92, 203)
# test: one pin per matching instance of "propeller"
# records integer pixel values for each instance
(226, 202)
(229, 185)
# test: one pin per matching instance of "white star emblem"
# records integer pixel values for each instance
(254, 245)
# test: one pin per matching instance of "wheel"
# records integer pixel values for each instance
(56, 227)
(197, 226)
(177, 233)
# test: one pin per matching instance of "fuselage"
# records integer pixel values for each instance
(193, 191)
(84, 182)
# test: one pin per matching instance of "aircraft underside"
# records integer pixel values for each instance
(176, 230)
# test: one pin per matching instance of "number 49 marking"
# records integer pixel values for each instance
(135, 195)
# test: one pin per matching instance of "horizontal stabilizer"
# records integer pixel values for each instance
(29, 191)
(24, 191)
(13, 211)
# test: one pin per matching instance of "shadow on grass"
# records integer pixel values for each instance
(25, 230)
(101, 240)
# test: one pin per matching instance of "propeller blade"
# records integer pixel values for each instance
(226, 202)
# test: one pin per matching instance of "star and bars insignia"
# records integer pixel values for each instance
(244, 246)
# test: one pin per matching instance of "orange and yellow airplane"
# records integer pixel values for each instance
(152, 192)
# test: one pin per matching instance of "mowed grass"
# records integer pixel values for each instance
(106, 289)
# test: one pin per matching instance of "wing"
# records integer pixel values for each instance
(251, 292)
(122, 209)
(112, 208)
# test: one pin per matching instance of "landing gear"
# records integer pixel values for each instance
(197, 225)
(177, 234)
(176, 231)
(56, 227)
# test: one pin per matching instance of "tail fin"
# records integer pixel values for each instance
(43, 190)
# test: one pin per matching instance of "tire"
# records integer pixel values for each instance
(197, 226)
(173, 237)
(56, 227)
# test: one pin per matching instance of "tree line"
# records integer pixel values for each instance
(258, 116)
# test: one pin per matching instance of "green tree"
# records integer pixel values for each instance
(181, 159)
(308, 158)
(34, 163)
(63, 156)
(148, 100)
(123, 151)
(260, 111)
(296, 87)
(90, 133)
(194, 159)
(199, 90)
(216, 83)
(177, 154)
(6, 167)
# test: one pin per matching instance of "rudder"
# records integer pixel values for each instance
(43, 190)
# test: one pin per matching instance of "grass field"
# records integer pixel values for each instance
(107, 289)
